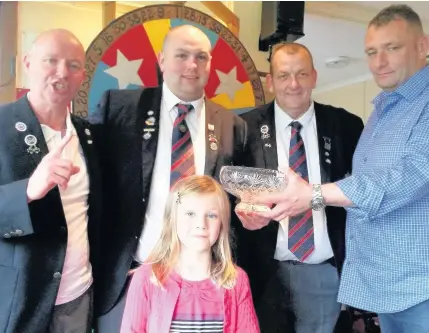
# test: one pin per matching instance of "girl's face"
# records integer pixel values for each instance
(198, 221)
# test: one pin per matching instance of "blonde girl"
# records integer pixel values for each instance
(189, 283)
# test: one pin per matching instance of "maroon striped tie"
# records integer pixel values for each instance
(301, 232)
(182, 152)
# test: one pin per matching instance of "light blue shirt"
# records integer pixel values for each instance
(387, 235)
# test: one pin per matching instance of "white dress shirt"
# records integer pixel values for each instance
(77, 271)
(323, 249)
(160, 186)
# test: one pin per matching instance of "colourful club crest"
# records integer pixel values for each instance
(124, 56)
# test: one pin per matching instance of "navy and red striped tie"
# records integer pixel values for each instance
(182, 151)
(301, 232)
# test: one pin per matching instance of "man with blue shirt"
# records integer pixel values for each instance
(387, 196)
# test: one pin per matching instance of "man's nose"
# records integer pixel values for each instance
(62, 70)
(381, 60)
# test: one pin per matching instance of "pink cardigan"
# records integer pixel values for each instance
(149, 308)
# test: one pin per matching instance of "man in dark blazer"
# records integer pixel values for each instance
(137, 129)
(297, 131)
(49, 197)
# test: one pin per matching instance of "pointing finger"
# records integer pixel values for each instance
(63, 143)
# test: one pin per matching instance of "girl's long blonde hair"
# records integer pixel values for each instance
(166, 252)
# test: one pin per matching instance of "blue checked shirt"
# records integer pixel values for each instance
(387, 236)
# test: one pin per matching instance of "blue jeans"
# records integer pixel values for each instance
(411, 320)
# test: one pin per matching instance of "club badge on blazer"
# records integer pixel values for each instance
(212, 137)
(31, 141)
(327, 146)
(150, 123)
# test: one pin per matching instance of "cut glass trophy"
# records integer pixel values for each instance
(245, 183)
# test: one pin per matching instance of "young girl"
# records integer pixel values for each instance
(190, 283)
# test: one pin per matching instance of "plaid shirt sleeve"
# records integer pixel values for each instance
(380, 192)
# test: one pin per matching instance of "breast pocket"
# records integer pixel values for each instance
(8, 281)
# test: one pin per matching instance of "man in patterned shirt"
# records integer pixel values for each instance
(387, 197)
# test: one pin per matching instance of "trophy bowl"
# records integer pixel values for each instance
(246, 183)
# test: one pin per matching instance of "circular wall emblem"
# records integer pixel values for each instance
(124, 56)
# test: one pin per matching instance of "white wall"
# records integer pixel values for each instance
(355, 98)
(36, 17)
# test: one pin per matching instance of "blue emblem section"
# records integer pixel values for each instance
(101, 82)
(210, 34)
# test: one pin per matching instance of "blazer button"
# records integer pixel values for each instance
(57, 275)
(7, 235)
(18, 232)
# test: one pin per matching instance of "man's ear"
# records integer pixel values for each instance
(26, 62)
(161, 61)
(269, 83)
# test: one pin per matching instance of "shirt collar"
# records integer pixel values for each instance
(283, 118)
(170, 101)
(50, 133)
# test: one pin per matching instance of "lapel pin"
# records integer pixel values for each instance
(327, 143)
(33, 150)
(20, 126)
(328, 161)
(213, 146)
(150, 121)
(150, 113)
(147, 136)
(87, 131)
(210, 127)
(31, 141)
(264, 131)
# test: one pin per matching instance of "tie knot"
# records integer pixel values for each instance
(296, 125)
(184, 108)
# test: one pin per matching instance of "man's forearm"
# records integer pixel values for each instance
(334, 196)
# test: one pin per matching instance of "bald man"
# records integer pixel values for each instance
(150, 139)
(48, 221)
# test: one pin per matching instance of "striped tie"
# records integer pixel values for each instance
(182, 152)
(301, 233)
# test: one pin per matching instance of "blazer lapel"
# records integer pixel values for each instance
(267, 131)
(213, 138)
(31, 145)
(325, 136)
(148, 116)
(147, 122)
(85, 140)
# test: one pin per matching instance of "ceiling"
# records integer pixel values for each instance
(338, 29)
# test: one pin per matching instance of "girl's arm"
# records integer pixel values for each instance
(247, 321)
(137, 304)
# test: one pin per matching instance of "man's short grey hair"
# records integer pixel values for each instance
(397, 12)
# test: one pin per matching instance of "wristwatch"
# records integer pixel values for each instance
(317, 202)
